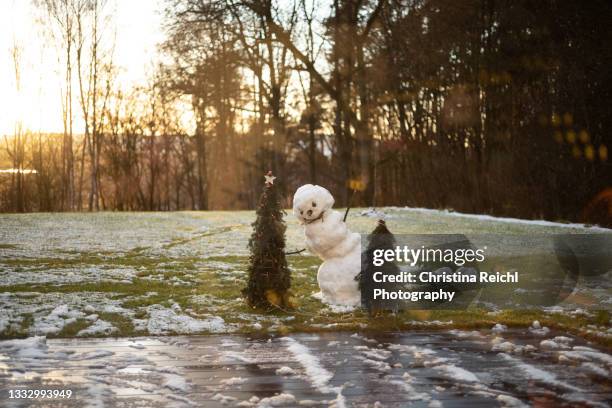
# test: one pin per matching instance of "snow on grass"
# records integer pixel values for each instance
(50, 313)
(490, 218)
(93, 273)
(317, 375)
(100, 327)
(198, 258)
(55, 321)
(163, 320)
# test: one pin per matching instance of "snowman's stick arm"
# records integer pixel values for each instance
(295, 252)
(348, 206)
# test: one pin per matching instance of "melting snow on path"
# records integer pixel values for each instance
(318, 376)
(97, 375)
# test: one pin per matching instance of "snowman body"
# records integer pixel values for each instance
(328, 237)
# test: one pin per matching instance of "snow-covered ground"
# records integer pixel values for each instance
(104, 274)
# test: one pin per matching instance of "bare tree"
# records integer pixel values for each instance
(61, 26)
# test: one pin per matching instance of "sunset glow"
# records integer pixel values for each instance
(38, 102)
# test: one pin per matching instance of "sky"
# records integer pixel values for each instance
(38, 104)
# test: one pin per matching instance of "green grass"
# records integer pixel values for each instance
(222, 289)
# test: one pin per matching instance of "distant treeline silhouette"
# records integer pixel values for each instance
(484, 106)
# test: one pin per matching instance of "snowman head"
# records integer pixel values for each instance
(310, 203)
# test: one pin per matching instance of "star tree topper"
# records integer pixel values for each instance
(269, 178)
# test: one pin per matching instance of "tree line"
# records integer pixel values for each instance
(484, 106)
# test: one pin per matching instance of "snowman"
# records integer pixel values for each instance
(328, 237)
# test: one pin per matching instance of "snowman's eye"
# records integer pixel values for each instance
(301, 212)
(314, 204)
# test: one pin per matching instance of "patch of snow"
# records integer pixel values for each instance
(100, 327)
(375, 364)
(537, 374)
(93, 355)
(537, 329)
(163, 320)
(563, 340)
(551, 345)
(407, 389)
(317, 375)
(595, 369)
(175, 382)
(55, 321)
(31, 347)
(455, 373)
(363, 338)
(482, 217)
(465, 334)
(376, 354)
(339, 309)
(284, 399)
(223, 399)
(233, 381)
(237, 356)
(416, 351)
(435, 361)
(430, 323)
(374, 213)
(285, 371)
(312, 403)
(505, 346)
(94, 273)
(4, 323)
(510, 402)
(499, 344)
(582, 353)
(499, 328)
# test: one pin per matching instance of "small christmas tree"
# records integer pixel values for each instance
(269, 276)
(380, 238)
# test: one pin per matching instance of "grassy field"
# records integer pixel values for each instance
(123, 274)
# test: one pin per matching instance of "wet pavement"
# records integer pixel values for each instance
(428, 369)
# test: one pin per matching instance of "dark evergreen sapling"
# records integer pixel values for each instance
(380, 238)
(269, 278)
